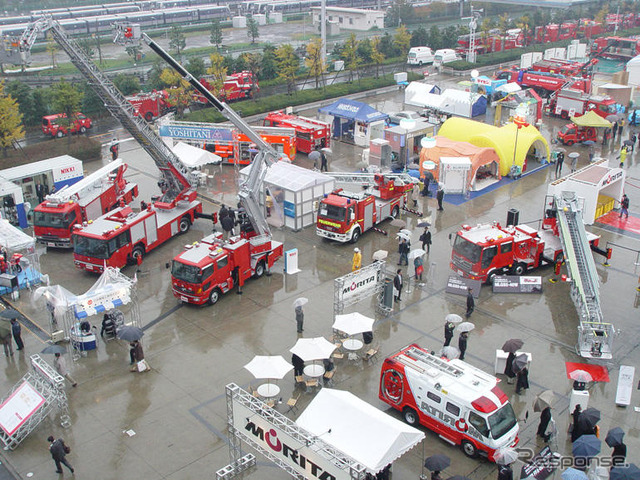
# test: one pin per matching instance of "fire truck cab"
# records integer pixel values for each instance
(310, 133)
(459, 402)
(211, 267)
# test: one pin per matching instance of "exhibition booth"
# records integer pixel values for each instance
(522, 147)
(461, 166)
(22, 259)
(355, 121)
(405, 138)
(450, 101)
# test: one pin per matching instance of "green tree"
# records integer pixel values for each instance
(216, 34)
(350, 55)
(377, 57)
(287, 63)
(420, 37)
(52, 48)
(364, 50)
(252, 29)
(400, 12)
(314, 61)
(11, 128)
(92, 104)
(254, 65)
(450, 35)
(435, 38)
(86, 45)
(268, 68)
(31, 111)
(387, 46)
(154, 81)
(96, 39)
(127, 84)
(240, 63)
(196, 67)
(134, 51)
(177, 40)
(402, 39)
(66, 98)
(179, 91)
(218, 73)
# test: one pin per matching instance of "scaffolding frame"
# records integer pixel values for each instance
(339, 302)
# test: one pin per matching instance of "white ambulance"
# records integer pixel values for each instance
(458, 401)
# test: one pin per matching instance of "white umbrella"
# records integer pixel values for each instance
(453, 318)
(298, 302)
(353, 323)
(580, 376)
(274, 366)
(327, 150)
(309, 349)
(403, 236)
(380, 254)
(505, 456)
(404, 231)
(573, 155)
(465, 327)
(450, 352)
(418, 252)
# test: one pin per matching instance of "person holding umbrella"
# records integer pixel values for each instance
(614, 439)
(436, 464)
(440, 195)
(575, 426)
(299, 318)
(398, 284)
(60, 364)
(511, 346)
(425, 238)
(462, 343)
(471, 303)
(522, 372)
(404, 248)
(449, 327)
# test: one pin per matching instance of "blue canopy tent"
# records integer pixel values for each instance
(352, 119)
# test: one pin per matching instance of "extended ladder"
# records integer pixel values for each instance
(368, 178)
(117, 104)
(595, 337)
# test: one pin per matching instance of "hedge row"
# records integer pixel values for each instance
(278, 102)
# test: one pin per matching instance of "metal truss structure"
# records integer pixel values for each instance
(376, 269)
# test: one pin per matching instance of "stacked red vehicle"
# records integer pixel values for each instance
(236, 86)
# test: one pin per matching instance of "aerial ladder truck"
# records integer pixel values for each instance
(118, 237)
(214, 266)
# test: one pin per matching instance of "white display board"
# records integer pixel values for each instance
(625, 385)
(19, 407)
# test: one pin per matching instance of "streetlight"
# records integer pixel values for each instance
(473, 88)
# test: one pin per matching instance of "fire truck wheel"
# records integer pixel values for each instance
(568, 143)
(138, 252)
(259, 269)
(491, 277)
(469, 449)
(410, 416)
(519, 268)
(59, 134)
(355, 235)
(395, 212)
(83, 129)
(148, 116)
(564, 114)
(184, 225)
(214, 296)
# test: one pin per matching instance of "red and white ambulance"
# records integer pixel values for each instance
(458, 401)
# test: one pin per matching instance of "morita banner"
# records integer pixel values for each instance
(516, 284)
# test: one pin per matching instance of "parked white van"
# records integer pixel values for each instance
(445, 55)
(420, 56)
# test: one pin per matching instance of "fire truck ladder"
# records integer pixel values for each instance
(595, 337)
(87, 183)
(429, 361)
(368, 178)
(117, 104)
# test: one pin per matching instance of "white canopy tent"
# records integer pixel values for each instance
(194, 157)
(633, 67)
(15, 241)
(416, 91)
(359, 430)
(450, 101)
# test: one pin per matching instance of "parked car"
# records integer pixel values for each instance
(405, 114)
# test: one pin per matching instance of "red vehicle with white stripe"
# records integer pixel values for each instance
(461, 403)
(310, 133)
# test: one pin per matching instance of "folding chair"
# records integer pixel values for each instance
(328, 376)
(299, 379)
(292, 403)
(312, 382)
(371, 355)
(338, 355)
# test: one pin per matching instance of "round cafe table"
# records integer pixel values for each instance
(314, 370)
(268, 390)
(352, 344)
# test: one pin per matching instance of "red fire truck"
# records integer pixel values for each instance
(343, 216)
(58, 126)
(588, 28)
(150, 105)
(572, 133)
(211, 267)
(563, 67)
(310, 133)
(487, 250)
(85, 200)
(571, 102)
(237, 86)
(543, 83)
(617, 48)
(459, 402)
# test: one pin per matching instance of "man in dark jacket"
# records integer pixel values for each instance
(16, 330)
(448, 333)
(398, 284)
(471, 303)
(619, 455)
(227, 224)
(462, 344)
(425, 238)
(440, 196)
(522, 382)
(505, 472)
(545, 418)
(298, 365)
(58, 453)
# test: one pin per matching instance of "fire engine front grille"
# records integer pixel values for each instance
(462, 263)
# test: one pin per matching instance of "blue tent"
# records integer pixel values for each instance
(351, 111)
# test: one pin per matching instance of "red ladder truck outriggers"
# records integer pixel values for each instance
(94, 195)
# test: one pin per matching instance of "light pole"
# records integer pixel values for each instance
(473, 88)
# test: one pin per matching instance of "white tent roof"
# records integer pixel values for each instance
(14, 239)
(193, 157)
(291, 177)
(509, 87)
(361, 431)
(415, 93)
(457, 102)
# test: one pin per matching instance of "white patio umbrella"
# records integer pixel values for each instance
(465, 327)
(269, 366)
(309, 349)
(453, 318)
(353, 323)
(380, 254)
(418, 252)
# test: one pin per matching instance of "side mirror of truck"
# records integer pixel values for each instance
(352, 216)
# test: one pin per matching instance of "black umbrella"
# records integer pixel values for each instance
(53, 349)
(628, 142)
(512, 345)
(437, 463)
(614, 437)
(630, 472)
(130, 334)
(424, 223)
(589, 418)
(520, 362)
(10, 314)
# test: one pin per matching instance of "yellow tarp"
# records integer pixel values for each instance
(501, 139)
(591, 119)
